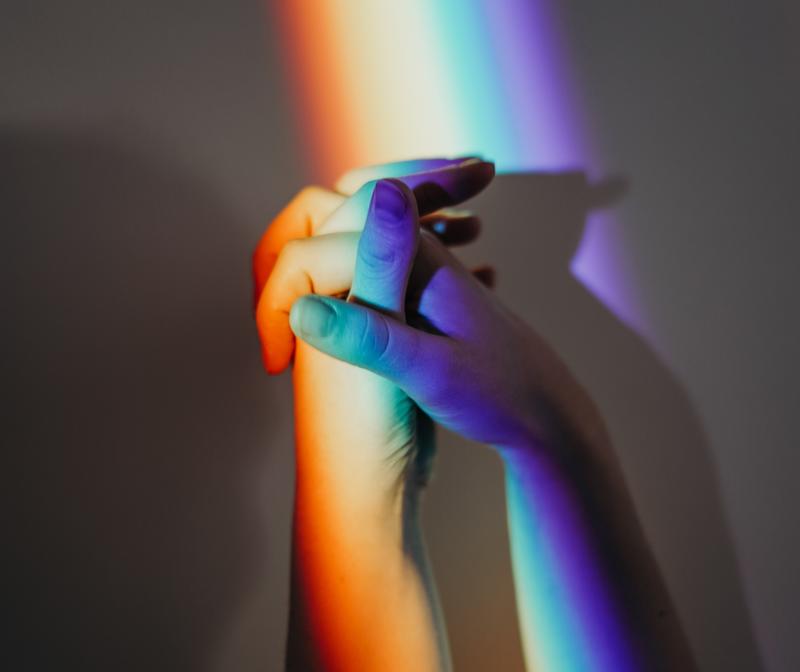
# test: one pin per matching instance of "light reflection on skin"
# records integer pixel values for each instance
(497, 79)
(482, 373)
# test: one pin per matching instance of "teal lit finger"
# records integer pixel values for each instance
(386, 248)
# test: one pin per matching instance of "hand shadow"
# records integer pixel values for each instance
(134, 402)
(533, 225)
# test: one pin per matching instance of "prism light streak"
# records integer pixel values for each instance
(570, 620)
(384, 80)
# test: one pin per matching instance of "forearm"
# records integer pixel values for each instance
(361, 598)
(589, 592)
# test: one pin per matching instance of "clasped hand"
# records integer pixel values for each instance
(414, 315)
(388, 331)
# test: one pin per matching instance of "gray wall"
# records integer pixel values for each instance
(147, 463)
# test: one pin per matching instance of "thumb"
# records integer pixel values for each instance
(386, 249)
(371, 340)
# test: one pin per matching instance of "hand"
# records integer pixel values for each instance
(355, 524)
(485, 374)
(476, 368)
(588, 588)
(335, 402)
(285, 264)
(465, 359)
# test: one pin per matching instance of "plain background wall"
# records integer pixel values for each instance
(147, 462)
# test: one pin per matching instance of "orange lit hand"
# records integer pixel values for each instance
(357, 432)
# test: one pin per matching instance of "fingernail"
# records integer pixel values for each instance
(311, 317)
(389, 202)
(475, 162)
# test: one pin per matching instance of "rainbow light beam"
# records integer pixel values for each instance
(385, 80)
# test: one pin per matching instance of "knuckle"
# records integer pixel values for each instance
(287, 278)
(377, 255)
(445, 371)
(309, 193)
(269, 302)
(375, 339)
(291, 252)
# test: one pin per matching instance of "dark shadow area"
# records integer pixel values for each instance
(533, 224)
(133, 401)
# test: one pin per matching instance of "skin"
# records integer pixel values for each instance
(355, 524)
(420, 337)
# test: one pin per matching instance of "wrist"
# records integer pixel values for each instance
(559, 418)
(372, 499)
(565, 453)
(356, 435)
(359, 588)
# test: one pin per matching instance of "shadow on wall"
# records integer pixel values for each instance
(134, 399)
(133, 396)
(534, 223)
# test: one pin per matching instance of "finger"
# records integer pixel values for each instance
(371, 340)
(450, 185)
(486, 275)
(315, 208)
(354, 179)
(387, 248)
(433, 190)
(299, 219)
(453, 227)
(322, 265)
(443, 295)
